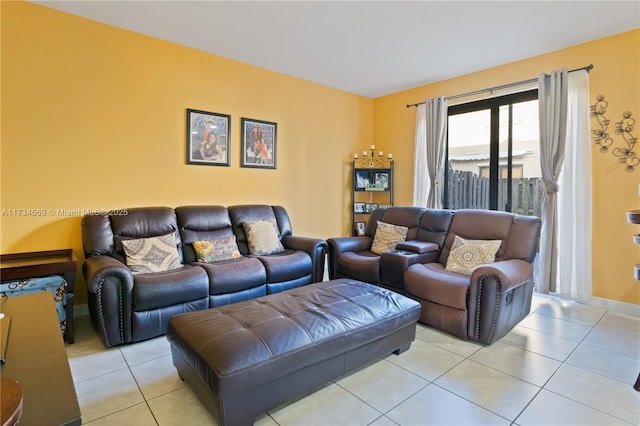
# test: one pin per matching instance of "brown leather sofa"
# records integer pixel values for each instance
(127, 307)
(483, 306)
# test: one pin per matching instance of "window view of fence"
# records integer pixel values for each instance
(467, 190)
(493, 157)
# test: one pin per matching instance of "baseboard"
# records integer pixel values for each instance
(614, 305)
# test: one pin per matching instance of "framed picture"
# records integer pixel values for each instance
(208, 136)
(362, 179)
(381, 180)
(358, 207)
(259, 143)
(370, 207)
(360, 227)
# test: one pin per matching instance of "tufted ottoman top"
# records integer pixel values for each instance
(242, 345)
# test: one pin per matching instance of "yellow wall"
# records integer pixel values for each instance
(94, 118)
(616, 75)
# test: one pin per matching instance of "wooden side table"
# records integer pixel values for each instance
(37, 359)
(35, 264)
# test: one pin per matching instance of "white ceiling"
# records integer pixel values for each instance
(370, 48)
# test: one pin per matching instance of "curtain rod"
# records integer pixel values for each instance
(504, 86)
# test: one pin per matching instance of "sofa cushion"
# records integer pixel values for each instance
(217, 250)
(387, 237)
(432, 282)
(155, 254)
(161, 289)
(362, 266)
(234, 275)
(286, 266)
(466, 255)
(262, 237)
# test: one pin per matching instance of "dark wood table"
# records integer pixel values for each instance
(36, 357)
(17, 266)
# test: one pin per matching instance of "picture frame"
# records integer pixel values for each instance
(382, 179)
(208, 135)
(359, 227)
(361, 180)
(358, 207)
(259, 144)
(370, 207)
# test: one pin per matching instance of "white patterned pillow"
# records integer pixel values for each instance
(466, 255)
(155, 254)
(387, 237)
(262, 237)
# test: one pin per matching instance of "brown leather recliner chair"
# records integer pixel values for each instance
(488, 304)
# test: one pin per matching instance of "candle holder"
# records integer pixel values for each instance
(371, 160)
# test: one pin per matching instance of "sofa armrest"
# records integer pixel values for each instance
(314, 247)
(394, 263)
(340, 245)
(417, 246)
(110, 284)
(499, 297)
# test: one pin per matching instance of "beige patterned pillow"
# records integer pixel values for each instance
(466, 255)
(262, 237)
(387, 237)
(156, 254)
(217, 250)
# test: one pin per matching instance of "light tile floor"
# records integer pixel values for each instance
(565, 364)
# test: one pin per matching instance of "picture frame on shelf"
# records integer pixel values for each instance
(208, 135)
(259, 143)
(362, 180)
(358, 207)
(360, 226)
(382, 180)
(370, 207)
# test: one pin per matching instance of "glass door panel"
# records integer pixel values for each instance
(468, 160)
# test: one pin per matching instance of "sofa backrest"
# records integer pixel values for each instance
(201, 223)
(519, 234)
(252, 212)
(434, 226)
(402, 216)
(103, 234)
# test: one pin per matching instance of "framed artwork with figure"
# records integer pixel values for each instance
(208, 138)
(259, 143)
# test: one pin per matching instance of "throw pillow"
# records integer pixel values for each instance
(156, 254)
(262, 237)
(387, 237)
(466, 255)
(217, 250)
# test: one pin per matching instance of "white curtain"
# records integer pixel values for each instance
(552, 106)
(574, 226)
(420, 172)
(430, 142)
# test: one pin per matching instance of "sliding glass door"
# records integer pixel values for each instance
(493, 159)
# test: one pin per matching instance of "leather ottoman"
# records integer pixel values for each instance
(246, 358)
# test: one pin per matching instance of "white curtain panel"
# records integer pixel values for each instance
(436, 143)
(574, 201)
(420, 172)
(430, 143)
(552, 109)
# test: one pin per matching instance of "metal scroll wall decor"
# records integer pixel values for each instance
(626, 154)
